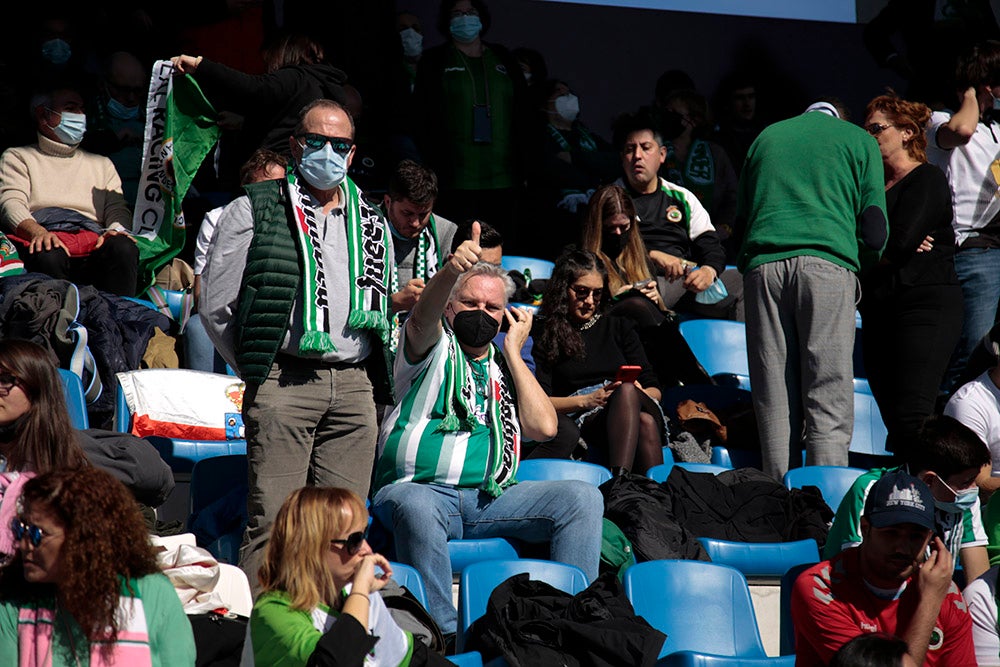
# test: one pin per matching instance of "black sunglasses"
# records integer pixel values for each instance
(353, 542)
(317, 141)
(21, 528)
(7, 381)
(876, 129)
(581, 292)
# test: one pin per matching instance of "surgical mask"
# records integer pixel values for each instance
(56, 51)
(465, 28)
(964, 500)
(120, 111)
(323, 168)
(71, 127)
(996, 101)
(527, 77)
(474, 328)
(568, 106)
(715, 293)
(413, 42)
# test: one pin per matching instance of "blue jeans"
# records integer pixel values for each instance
(423, 517)
(978, 271)
(199, 352)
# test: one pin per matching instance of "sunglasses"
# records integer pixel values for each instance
(352, 542)
(581, 292)
(20, 529)
(8, 381)
(876, 129)
(317, 141)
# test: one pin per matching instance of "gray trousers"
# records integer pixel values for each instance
(307, 424)
(800, 344)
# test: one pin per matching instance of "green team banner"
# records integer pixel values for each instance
(181, 129)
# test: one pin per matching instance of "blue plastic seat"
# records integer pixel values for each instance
(716, 616)
(220, 481)
(761, 559)
(409, 578)
(471, 659)
(869, 429)
(695, 659)
(786, 630)
(662, 471)
(76, 402)
(531, 267)
(721, 347)
(478, 581)
(833, 481)
(557, 469)
(464, 553)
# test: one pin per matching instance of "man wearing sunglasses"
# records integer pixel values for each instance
(295, 296)
(451, 446)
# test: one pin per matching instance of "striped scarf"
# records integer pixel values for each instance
(37, 625)
(369, 268)
(459, 396)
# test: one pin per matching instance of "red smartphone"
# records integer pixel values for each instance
(627, 374)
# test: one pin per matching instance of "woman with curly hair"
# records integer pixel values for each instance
(85, 587)
(911, 305)
(320, 603)
(578, 355)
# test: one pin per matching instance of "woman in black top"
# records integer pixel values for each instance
(577, 357)
(911, 307)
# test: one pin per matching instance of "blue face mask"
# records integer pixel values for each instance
(715, 293)
(465, 28)
(56, 51)
(964, 500)
(71, 127)
(323, 168)
(120, 111)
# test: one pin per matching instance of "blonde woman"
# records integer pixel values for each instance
(320, 604)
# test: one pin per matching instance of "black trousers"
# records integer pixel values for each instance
(114, 267)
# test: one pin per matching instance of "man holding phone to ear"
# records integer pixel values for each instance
(898, 581)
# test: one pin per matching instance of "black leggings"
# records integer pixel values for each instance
(627, 433)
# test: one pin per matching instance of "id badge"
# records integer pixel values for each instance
(482, 125)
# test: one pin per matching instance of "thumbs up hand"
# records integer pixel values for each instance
(468, 254)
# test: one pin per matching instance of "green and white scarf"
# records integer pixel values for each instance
(459, 397)
(370, 268)
(697, 173)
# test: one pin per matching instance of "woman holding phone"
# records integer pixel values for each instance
(578, 357)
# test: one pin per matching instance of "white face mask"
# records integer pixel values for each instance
(568, 106)
(413, 42)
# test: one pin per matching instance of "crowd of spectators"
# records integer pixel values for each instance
(347, 235)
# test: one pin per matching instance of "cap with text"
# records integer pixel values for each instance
(899, 497)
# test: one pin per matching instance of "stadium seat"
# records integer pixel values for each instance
(471, 659)
(218, 504)
(833, 481)
(761, 559)
(530, 470)
(721, 347)
(76, 403)
(868, 439)
(464, 553)
(478, 581)
(177, 408)
(409, 578)
(717, 616)
(662, 471)
(786, 632)
(530, 267)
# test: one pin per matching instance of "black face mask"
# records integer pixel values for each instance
(474, 328)
(611, 244)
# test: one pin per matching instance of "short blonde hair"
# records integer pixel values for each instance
(300, 538)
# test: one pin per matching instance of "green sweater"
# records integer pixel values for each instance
(805, 182)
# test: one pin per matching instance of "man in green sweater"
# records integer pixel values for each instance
(812, 195)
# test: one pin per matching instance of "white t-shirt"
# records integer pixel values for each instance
(975, 186)
(977, 405)
(205, 233)
(983, 609)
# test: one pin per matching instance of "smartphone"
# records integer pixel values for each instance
(639, 285)
(482, 125)
(627, 374)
